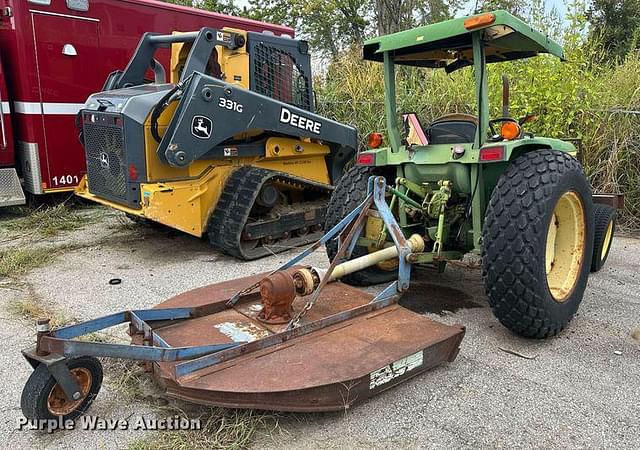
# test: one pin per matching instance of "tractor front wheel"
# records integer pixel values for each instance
(538, 243)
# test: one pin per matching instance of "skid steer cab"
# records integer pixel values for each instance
(472, 183)
(230, 148)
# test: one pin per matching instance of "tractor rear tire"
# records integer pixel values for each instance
(348, 194)
(537, 243)
(605, 226)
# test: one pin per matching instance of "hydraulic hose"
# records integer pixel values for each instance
(165, 101)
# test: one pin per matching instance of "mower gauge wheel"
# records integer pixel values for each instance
(43, 398)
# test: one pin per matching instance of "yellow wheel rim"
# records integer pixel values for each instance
(607, 241)
(373, 230)
(565, 246)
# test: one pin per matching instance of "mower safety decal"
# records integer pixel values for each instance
(241, 331)
(394, 370)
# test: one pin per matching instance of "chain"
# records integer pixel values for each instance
(355, 226)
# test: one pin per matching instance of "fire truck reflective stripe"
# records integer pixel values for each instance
(62, 108)
(47, 13)
(27, 107)
(47, 108)
(6, 108)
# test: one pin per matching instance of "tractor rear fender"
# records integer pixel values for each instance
(517, 148)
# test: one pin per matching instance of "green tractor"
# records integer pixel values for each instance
(471, 184)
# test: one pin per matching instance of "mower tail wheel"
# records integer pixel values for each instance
(537, 243)
(43, 398)
(604, 224)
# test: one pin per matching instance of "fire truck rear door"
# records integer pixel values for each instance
(70, 68)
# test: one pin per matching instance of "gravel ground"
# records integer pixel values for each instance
(575, 392)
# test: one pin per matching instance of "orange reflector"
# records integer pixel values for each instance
(366, 159)
(479, 21)
(509, 130)
(375, 140)
(492, 153)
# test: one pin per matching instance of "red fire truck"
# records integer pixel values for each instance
(53, 54)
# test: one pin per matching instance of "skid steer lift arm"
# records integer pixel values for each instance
(230, 110)
(54, 347)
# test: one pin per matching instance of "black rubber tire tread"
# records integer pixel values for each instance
(234, 206)
(602, 215)
(33, 401)
(348, 194)
(514, 242)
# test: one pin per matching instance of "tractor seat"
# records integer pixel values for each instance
(453, 129)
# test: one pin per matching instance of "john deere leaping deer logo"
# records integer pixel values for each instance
(104, 160)
(201, 127)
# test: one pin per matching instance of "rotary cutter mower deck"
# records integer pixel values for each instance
(294, 339)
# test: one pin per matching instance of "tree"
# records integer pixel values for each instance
(392, 16)
(615, 25)
(515, 7)
(328, 25)
(331, 26)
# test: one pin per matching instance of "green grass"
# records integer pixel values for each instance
(16, 261)
(31, 307)
(48, 221)
(220, 429)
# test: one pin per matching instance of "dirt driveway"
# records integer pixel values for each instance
(581, 389)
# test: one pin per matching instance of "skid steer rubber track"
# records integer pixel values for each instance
(227, 226)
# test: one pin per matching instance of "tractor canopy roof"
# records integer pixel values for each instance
(448, 44)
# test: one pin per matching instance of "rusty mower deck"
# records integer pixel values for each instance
(328, 369)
